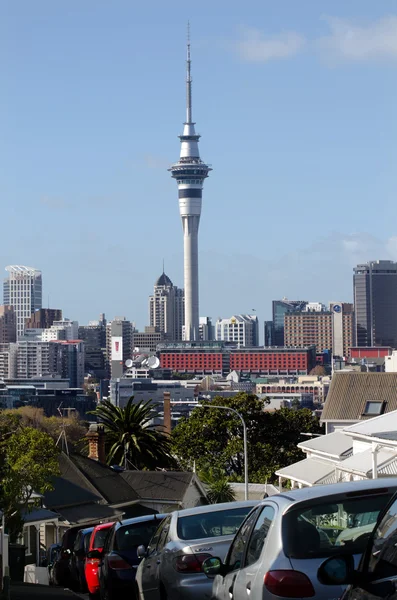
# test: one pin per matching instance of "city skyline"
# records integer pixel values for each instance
(299, 125)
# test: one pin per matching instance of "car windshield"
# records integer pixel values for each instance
(131, 536)
(211, 524)
(100, 537)
(321, 529)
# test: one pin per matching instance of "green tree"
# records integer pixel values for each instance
(217, 486)
(131, 437)
(215, 437)
(28, 462)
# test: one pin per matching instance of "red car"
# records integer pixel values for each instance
(97, 542)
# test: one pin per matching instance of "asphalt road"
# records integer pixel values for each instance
(29, 591)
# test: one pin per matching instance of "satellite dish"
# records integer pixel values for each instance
(128, 363)
(136, 350)
(153, 362)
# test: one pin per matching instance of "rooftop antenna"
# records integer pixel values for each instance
(188, 80)
(163, 267)
(62, 436)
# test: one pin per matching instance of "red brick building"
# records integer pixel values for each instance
(370, 351)
(208, 358)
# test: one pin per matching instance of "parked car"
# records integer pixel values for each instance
(51, 557)
(77, 560)
(119, 558)
(376, 577)
(61, 568)
(172, 563)
(97, 542)
(280, 546)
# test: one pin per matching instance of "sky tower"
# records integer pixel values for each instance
(190, 172)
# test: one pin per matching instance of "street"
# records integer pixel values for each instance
(29, 591)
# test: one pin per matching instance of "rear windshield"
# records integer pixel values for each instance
(100, 538)
(214, 524)
(86, 542)
(131, 536)
(321, 529)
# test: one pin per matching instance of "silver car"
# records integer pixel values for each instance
(280, 546)
(171, 568)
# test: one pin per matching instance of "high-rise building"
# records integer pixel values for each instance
(375, 302)
(69, 361)
(329, 330)
(61, 330)
(32, 359)
(190, 172)
(280, 308)
(22, 289)
(94, 338)
(239, 329)
(167, 308)
(206, 329)
(8, 325)
(43, 318)
(119, 348)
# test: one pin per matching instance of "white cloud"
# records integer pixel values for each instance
(255, 46)
(350, 41)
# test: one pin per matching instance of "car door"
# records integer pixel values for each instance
(379, 563)
(253, 558)
(223, 586)
(150, 568)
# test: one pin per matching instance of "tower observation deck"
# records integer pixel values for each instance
(190, 172)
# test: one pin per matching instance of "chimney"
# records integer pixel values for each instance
(167, 412)
(96, 442)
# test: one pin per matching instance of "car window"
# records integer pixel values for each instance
(109, 539)
(156, 536)
(237, 548)
(86, 541)
(76, 544)
(259, 534)
(382, 557)
(130, 537)
(211, 524)
(323, 528)
(100, 537)
(162, 540)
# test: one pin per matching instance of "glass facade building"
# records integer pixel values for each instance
(280, 308)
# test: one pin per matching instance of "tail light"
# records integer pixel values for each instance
(289, 584)
(117, 562)
(190, 563)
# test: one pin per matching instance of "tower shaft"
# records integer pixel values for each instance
(190, 226)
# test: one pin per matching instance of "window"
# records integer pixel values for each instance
(153, 542)
(382, 558)
(321, 529)
(237, 548)
(213, 524)
(132, 536)
(374, 408)
(259, 535)
(164, 534)
(100, 538)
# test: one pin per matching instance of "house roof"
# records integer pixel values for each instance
(384, 426)
(349, 392)
(334, 444)
(361, 463)
(309, 471)
(90, 513)
(161, 485)
(38, 515)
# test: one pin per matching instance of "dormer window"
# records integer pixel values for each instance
(374, 408)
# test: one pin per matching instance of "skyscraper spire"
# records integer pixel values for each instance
(188, 80)
(190, 172)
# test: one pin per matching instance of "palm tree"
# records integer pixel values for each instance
(217, 486)
(130, 436)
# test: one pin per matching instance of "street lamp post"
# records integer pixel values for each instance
(244, 437)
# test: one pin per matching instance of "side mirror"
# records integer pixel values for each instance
(337, 570)
(141, 551)
(94, 554)
(212, 566)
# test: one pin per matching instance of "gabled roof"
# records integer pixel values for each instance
(349, 392)
(161, 485)
(335, 445)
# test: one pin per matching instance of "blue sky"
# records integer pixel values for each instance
(296, 103)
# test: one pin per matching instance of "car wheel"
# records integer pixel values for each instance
(163, 593)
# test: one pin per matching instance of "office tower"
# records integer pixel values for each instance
(94, 338)
(330, 330)
(43, 318)
(22, 289)
(61, 330)
(167, 308)
(206, 329)
(148, 340)
(190, 172)
(375, 301)
(69, 361)
(279, 309)
(8, 325)
(269, 333)
(119, 348)
(32, 359)
(242, 330)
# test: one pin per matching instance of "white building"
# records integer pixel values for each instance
(242, 330)
(22, 289)
(61, 330)
(31, 359)
(167, 308)
(391, 362)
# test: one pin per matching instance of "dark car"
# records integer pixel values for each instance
(52, 556)
(77, 560)
(61, 567)
(119, 559)
(376, 576)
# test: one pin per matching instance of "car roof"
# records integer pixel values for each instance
(333, 489)
(86, 530)
(103, 526)
(209, 508)
(143, 519)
